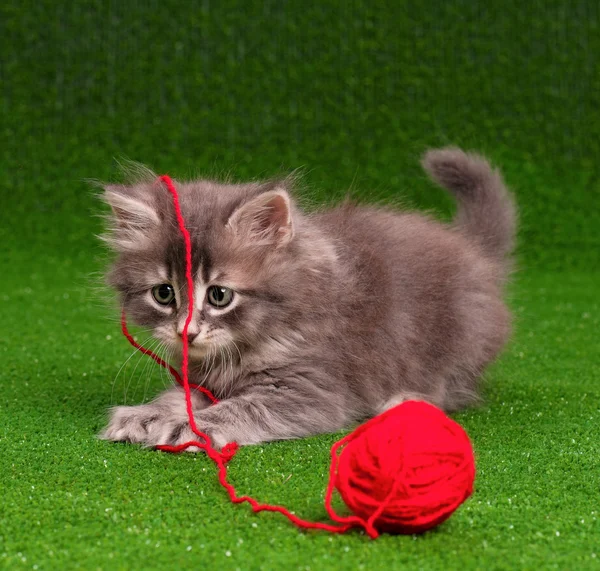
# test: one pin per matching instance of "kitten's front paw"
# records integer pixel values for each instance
(141, 424)
(152, 425)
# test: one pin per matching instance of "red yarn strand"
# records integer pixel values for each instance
(190, 288)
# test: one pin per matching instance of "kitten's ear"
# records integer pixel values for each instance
(266, 219)
(134, 217)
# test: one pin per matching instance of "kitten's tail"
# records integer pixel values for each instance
(486, 210)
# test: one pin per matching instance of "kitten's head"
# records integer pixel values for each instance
(243, 252)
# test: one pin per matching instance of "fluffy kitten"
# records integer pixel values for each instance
(309, 322)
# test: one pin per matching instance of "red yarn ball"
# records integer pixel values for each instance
(413, 463)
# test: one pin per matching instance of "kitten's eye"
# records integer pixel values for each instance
(219, 296)
(163, 294)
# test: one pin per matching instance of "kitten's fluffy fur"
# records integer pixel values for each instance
(336, 315)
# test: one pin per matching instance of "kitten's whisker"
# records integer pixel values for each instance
(142, 375)
(166, 376)
(140, 358)
(223, 370)
(228, 365)
(164, 373)
(150, 367)
(239, 352)
(150, 347)
(170, 359)
(208, 364)
(138, 329)
(231, 365)
(119, 372)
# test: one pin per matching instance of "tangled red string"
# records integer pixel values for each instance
(404, 471)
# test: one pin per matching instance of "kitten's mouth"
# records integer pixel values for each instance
(195, 350)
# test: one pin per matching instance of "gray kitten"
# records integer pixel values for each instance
(309, 322)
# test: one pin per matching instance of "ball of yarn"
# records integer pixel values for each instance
(408, 469)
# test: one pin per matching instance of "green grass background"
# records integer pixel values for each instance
(353, 92)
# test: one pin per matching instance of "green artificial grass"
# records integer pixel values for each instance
(70, 500)
(352, 93)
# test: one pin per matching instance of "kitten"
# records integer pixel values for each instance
(306, 323)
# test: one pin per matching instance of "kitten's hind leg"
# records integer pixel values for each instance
(399, 398)
(437, 397)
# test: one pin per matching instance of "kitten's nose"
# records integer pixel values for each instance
(190, 336)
